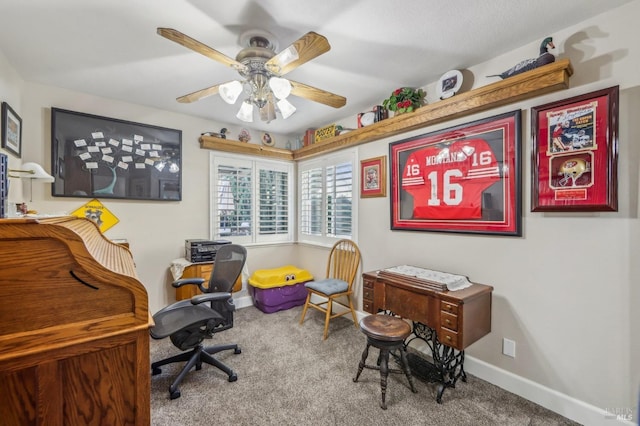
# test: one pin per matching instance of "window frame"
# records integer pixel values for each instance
(255, 164)
(325, 161)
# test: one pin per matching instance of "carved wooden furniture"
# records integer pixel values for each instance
(386, 333)
(447, 321)
(74, 327)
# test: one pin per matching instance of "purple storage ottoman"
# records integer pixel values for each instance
(278, 289)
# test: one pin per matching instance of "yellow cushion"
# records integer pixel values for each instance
(279, 277)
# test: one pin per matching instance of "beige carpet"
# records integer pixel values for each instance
(288, 376)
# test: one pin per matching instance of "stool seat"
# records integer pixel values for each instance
(386, 333)
(385, 327)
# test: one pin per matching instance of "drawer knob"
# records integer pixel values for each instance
(449, 338)
(448, 321)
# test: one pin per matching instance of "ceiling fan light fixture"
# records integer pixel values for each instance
(230, 91)
(281, 87)
(286, 108)
(268, 112)
(246, 112)
(287, 56)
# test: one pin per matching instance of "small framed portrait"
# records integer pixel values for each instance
(267, 140)
(11, 130)
(373, 177)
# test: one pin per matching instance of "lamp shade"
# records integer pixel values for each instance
(281, 87)
(246, 112)
(33, 171)
(285, 107)
(230, 91)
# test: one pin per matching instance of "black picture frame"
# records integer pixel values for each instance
(101, 157)
(11, 130)
(463, 179)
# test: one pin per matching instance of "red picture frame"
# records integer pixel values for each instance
(464, 179)
(373, 177)
(575, 153)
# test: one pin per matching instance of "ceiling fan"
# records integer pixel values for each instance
(261, 70)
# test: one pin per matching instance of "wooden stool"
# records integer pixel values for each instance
(386, 333)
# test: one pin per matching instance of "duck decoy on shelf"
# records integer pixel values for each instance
(532, 63)
(221, 135)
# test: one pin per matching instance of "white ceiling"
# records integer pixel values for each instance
(110, 48)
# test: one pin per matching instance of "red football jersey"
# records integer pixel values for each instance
(448, 182)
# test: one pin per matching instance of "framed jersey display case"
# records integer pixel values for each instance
(463, 179)
(575, 151)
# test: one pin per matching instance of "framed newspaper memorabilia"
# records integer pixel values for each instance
(575, 153)
(464, 179)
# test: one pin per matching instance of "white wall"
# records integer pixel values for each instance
(564, 291)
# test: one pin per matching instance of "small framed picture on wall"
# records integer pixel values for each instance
(11, 130)
(373, 177)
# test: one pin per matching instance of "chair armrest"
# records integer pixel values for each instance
(210, 297)
(185, 281)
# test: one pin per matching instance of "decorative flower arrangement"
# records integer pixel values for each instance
(404, 99)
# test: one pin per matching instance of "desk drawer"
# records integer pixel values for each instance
(449, 321)
(205, 270)
(448, 337)
(367, 306)
(449, 307)
(367, 293)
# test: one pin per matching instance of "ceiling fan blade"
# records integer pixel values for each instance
(200, 94)
(317, 95)
(304, 49)
(196, 46)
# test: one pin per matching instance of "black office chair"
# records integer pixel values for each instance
(188, 322)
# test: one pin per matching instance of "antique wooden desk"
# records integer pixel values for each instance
(74, 327)
(448, 321)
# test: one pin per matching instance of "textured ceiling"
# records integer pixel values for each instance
(111, 49)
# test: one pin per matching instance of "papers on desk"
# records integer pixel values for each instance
(452, 281)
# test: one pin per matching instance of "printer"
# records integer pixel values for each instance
(199, 250)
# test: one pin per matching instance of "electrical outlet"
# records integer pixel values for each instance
(509, 348)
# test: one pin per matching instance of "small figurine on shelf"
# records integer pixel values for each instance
(244, 136)
(544, 58)
(222, 134)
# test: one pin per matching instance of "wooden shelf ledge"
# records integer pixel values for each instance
(537, 82)
(227, 145)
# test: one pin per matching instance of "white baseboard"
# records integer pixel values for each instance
(243, 302)
(565, 405)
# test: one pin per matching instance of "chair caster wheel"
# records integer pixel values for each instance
(237, 351)
(174, 395)
(233, 377)
(155, 371)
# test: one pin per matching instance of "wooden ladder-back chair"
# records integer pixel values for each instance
(342, 267)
